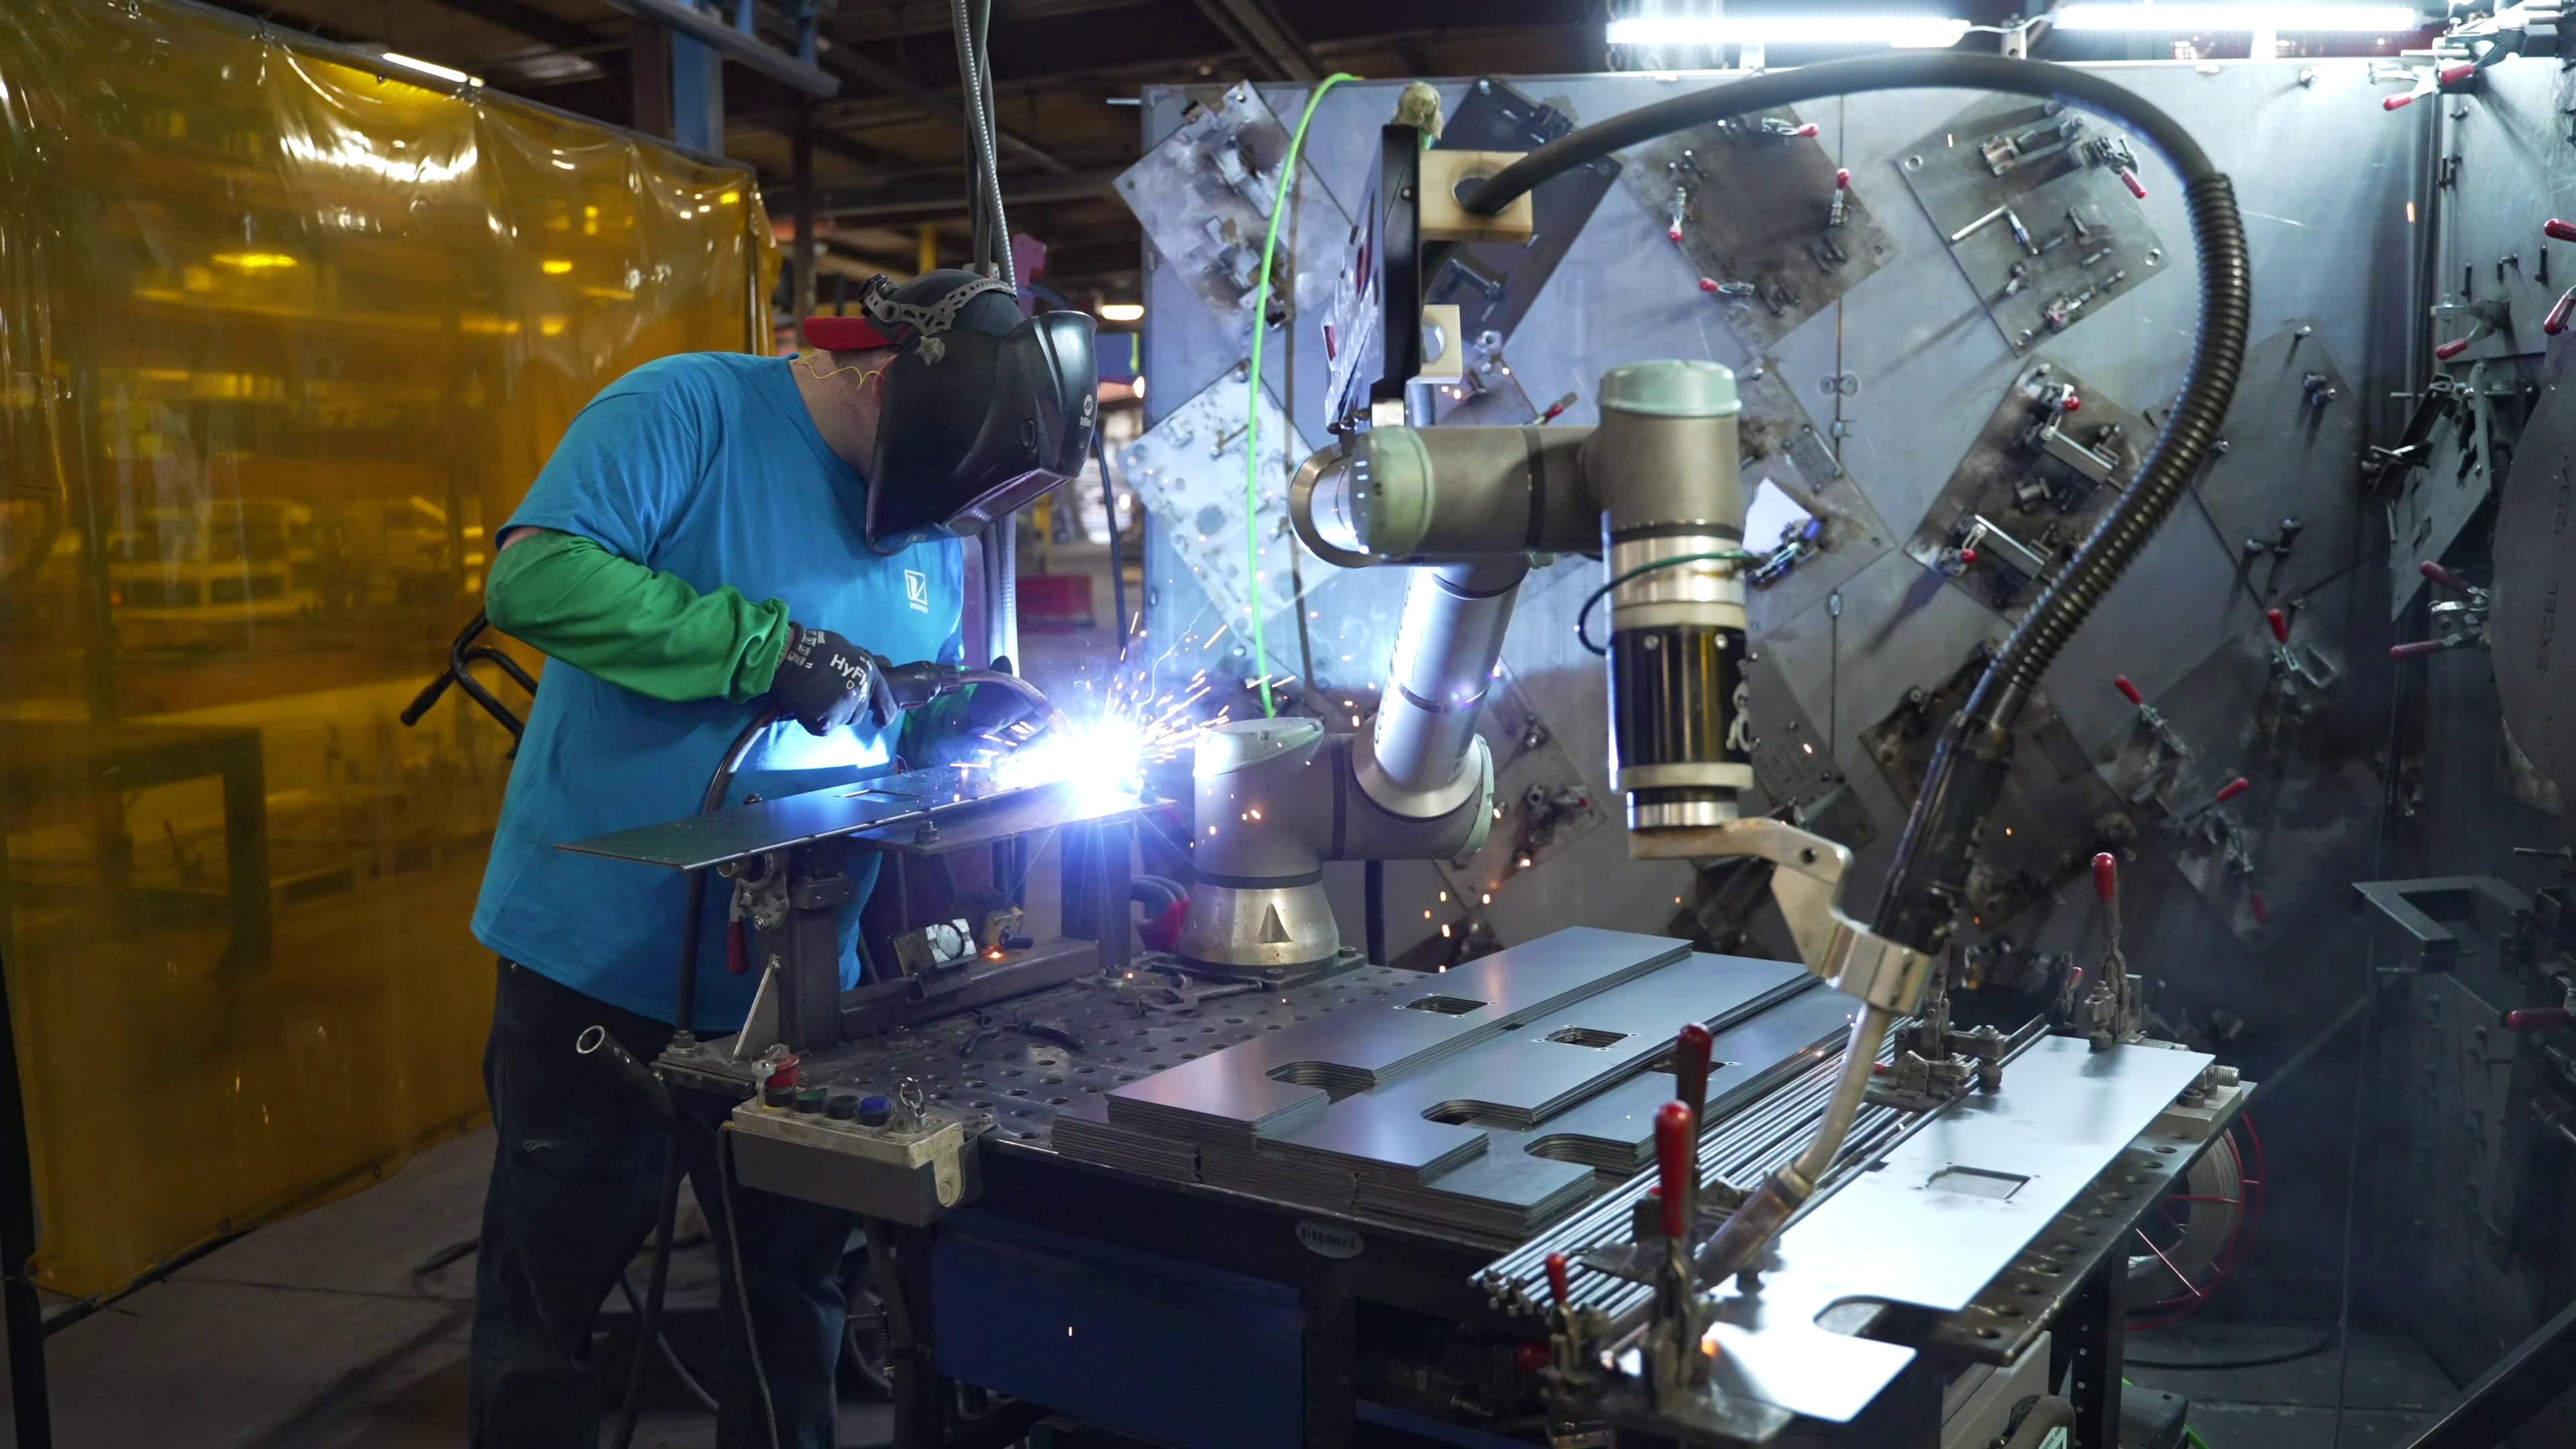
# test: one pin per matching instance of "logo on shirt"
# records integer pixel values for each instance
(916, 590)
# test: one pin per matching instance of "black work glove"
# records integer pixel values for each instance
(824, 681)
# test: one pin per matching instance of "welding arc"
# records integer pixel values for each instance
(1927, 881)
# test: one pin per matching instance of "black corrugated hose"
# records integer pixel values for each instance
(1926, 884)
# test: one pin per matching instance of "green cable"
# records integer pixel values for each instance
(1252, 403)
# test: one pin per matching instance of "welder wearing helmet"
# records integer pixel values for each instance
(716, 534)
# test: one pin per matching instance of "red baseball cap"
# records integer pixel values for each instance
(845, 334)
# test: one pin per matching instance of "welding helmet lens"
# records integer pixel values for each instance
(981, 415)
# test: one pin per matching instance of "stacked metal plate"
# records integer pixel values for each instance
(1481, 1101)
(1082, 1130)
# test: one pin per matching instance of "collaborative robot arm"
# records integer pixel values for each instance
(1654, 489)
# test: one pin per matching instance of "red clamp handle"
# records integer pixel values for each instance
(2072, 403)
(1556, 1280)
(1967, 556)
(2535, 1018)
(2280, 625)
(1674, 1158)
(2398, 103)
(2443, 576)
(2454, 74)
(2129, 179)
(1808, 129)
(2106, 877)
(2261, 907)
(2556, 321)
(2557, 230)
(1842, 181)
(2449, 350)
(1690, 1067)
(2128, 691)
(1706, 284)
(2417, 648)
(2232, 789)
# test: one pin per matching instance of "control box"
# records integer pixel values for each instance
(906, 1167)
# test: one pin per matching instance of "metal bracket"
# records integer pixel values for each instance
(2425, 912)
(1808, 886)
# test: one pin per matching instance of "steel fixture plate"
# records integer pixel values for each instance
(1757, 198)
(1937, 1219)
(2036, 507)
(2294, 453)
(1189, 468)
(2067, 210)
(914, 809)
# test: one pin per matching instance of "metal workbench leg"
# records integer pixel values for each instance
(1332, 1356)
(2090, 1340)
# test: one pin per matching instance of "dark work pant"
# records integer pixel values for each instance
(576, 1177)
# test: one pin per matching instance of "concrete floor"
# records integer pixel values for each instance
(2390, 1386)
(316, 1332)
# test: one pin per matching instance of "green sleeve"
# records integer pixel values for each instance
(633, 626)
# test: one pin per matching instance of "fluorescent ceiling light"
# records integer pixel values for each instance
(1122, 311)
(1910, 32)
(452, 77)
(2194, 19)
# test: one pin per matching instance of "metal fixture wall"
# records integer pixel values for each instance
(1861, 414)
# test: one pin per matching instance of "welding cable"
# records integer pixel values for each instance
(741, 1285)
(1927, 881)
(684, 1009)
(671, 1356)
(1117, 560)
(1252, 394)
(1036, 699)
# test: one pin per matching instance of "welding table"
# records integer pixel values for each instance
(1192, 1314)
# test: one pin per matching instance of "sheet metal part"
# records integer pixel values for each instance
(1935, 1219)
(903, 810)
(1234, 1098)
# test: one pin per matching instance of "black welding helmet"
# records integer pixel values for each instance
(983, 409)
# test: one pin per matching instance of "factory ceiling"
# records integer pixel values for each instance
(888, 149)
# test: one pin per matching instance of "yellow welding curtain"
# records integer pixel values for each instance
(284, 332)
